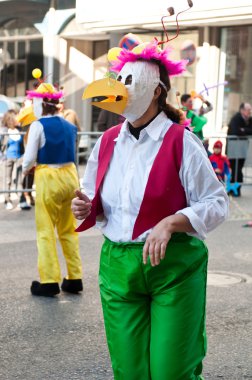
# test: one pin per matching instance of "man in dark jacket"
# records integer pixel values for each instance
(240, 125)
(107, 120)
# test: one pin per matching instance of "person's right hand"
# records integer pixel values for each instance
(201, 98)
(81, 205)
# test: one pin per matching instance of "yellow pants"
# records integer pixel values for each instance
(54, 192)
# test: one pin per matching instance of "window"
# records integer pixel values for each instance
(18, 59)
(21, 49)
(236, 48)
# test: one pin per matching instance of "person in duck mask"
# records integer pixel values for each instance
(150, 187)
(51, 145)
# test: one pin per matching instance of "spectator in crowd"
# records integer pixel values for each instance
(206, 146)
(107, 119)
(51, 143)
(240, 125)
(13, 149)
(198, 120)
(219, 162)
(3, 137)
(69, 114)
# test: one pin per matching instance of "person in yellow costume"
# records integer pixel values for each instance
(25, 117)
(51, 143)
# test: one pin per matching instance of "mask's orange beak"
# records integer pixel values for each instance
(115, 92)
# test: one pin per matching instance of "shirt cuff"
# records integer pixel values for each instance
(27, 166)
(196, 223)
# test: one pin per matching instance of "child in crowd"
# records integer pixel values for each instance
(219, 162)
(13, 151)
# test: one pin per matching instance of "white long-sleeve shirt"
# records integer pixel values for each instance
(125, 181)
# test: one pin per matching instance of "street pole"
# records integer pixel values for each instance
(49, 42)
(1, 66)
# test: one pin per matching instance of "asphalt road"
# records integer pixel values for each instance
(63, 338)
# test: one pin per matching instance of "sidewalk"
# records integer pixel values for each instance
(63, 338)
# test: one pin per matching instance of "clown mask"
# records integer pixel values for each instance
(141, 79)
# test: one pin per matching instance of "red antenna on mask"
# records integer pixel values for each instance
(171, 13)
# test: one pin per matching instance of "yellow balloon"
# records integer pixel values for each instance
(36, 73)
(113, 53)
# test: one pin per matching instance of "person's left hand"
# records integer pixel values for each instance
(156, 243)
(25, 172)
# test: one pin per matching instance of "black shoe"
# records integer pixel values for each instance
(32, 201)
(72, 286)
(46, 290)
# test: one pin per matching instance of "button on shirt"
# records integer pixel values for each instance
(125, 181)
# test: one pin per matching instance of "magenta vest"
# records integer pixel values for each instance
(164, 194)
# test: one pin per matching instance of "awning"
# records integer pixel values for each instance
(29, 11)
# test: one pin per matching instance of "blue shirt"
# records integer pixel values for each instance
(15, 147)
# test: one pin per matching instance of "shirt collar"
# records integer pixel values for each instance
(156, 129)
(124, 132)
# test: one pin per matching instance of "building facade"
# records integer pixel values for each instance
(69, 41)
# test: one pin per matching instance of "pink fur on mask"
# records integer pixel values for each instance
(150, 53)
(33, 94)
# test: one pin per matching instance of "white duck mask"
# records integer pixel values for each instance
(141, 79)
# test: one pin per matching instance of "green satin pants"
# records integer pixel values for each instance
(155, 316)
